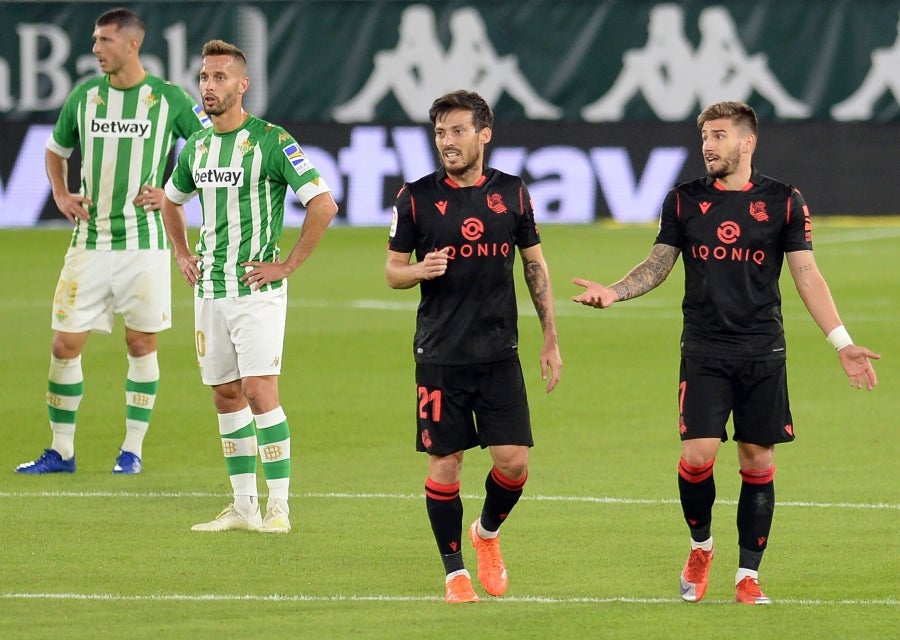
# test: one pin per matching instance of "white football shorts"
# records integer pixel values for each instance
(94, 285)
(240, 337)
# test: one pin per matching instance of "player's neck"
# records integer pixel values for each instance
(736, 181)
(129, 76)
(230, 120)
(469, 178)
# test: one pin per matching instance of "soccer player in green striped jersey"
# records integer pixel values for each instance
(241, 168)
(124, 123)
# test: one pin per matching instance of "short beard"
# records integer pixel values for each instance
(462, 170)
(223, 105)
(729, 166)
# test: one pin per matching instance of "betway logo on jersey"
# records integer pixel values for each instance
(219, 177)
(121, 128)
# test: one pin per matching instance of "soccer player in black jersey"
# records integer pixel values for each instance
(733, 230)
(464, 223)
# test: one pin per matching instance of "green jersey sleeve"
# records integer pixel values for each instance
(294, 166)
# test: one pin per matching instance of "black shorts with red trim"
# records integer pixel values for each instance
(753, 392)
(460, 407)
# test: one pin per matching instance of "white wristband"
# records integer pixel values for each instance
(839, 338)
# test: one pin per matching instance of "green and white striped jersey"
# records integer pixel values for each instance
(242, 178)
(125, 138)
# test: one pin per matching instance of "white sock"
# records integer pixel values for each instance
(706, 545)
(484, 533)
(246, 505)
(745, 573)
(453, 574)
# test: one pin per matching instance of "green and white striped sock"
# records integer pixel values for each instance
(275, 451)
(239, 447)
(140, 396)
(65, 388)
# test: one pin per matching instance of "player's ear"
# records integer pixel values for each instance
(245, 84)
(484, 136)
(749, 143)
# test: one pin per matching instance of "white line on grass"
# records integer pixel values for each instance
(177, 597)
(854, 235)
(414, 496)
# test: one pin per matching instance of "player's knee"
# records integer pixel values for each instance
(66, 345)
(700, 451)
(513, 467)
(261, 394)
(445, 469)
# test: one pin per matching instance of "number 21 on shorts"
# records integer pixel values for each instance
(429, 399)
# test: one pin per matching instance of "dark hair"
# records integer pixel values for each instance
(122, 18)
(482, 116)
(742, 115)
(222, 48)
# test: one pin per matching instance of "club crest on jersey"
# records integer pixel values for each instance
(219, 177)
(119, 128)
(495, 203)
(245, 147)
(151, 101)
(758, 211)
(297, 158)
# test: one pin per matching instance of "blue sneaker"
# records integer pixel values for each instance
(49, 462)
(127, 464)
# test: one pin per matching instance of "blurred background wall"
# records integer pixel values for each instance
(595, 101)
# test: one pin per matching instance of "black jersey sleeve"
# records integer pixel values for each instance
(527, 234)
(402, 238)
(670, 230)
(798, 227)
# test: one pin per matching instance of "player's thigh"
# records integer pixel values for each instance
(212, 339)
(83, 297)
(501, 405)
(762, 412)
(142, 288)
(444, 419)
(257, 324)
(705, 398)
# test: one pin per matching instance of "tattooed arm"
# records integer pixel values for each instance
(643, 278)
(537, 278)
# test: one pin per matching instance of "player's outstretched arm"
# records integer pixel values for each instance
(645, 277)
(816, 296)
(856, 361)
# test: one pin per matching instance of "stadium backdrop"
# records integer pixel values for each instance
(308, 58)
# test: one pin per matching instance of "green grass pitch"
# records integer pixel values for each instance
(595, 546)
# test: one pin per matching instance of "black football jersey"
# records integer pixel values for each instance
(469, 314)
(732, 245)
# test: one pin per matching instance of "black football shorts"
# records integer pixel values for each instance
(459, 407)
(753, 392)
